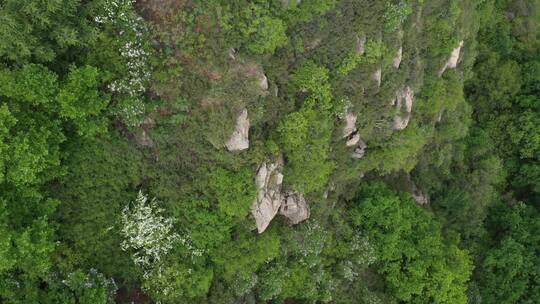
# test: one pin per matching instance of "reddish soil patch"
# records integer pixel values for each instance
(136, 296)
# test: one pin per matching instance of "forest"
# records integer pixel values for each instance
(270, 151)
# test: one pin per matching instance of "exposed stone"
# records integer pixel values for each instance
(377, 76)
(350, 132)
(287, 3)
(419, 196)
(294, 208)
(240, 138)
(271, 200)
(397, 60)
(453, 60)
(141, 133)
(361, 44)
(353, 140)
(441, 113)
(269, 197)
(403, 102)
(143, 139)
(350, 124)
(263, 82)
(232, 54)
(313, 44)
(360, 149)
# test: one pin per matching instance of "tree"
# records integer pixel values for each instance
(269, 35)
(81, 101)
(508, 272)
(234, 191)
(146, 232)
(419, 264)
(41, 31)
(306, 134)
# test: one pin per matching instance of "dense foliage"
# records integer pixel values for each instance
(117, 184)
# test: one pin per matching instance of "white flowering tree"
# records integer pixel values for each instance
(131, 32)
(147, 233)
(150, 236)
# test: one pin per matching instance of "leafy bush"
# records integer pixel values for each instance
(269, 36)
(418, 263)
(395, 15)
(306, 134)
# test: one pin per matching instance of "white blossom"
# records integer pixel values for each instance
(365, 252)
(131, 29)
(146, 232)
(149, 235)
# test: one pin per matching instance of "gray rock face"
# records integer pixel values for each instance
(453, 60)
(403, 102)
(294, 208)
(141, 134)
(397, 60)
(271, 200)
(287, 3)
(350, 124)
(240, 138)
(232, 54)
(269, 196)
(359, 150)
(263, 82)
(361, 45)
(421, 198)
(353, 139)
(377, 77)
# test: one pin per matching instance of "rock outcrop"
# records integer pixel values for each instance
(452, 62)
(350, 124)
(420, 197)
(359, 150)
(294, 208)
(240, 138)
(377, 77)
(418, 194)
(141, 134)
(396, 62)
(232, 54)
(269, 197)
(403, 102)
(263, 82)
(271, 200)
(287, 3)
(361, 45)
(353, 139)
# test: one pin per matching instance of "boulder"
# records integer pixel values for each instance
(421, 198)
(271, 200)
(403, 102)
(232, 54)
(361, 44)
(141, 134)
(397, 60)
(377, 77)
(353, 140)
(240, 138)
(452, 62)
(294, 208)
(143, 139)
(360, 149)
(350, 124)
(269, 197)
(263, 82)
